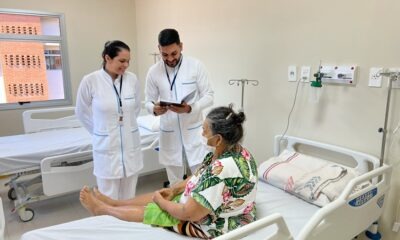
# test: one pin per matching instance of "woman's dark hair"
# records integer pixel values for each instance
(168, 36)
(112, 48)
(226, 122)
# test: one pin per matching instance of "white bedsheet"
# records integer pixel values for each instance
(24, 151)
(294, 210)
(269, 200)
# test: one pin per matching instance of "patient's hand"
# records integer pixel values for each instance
(157, 198)
(167, 193)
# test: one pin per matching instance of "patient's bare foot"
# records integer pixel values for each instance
(103, 197)
(90, 202)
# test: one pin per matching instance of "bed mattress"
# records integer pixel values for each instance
(25, 151)
(295, 211)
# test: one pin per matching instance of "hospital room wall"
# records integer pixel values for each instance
(259, 39)
(89, 24)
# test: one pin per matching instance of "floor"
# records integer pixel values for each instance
(61, 209)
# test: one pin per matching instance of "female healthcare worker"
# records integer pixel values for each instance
(107, 104)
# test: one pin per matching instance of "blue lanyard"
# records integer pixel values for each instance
(118, 94)
(176, 74)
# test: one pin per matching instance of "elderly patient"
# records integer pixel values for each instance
(217, 198)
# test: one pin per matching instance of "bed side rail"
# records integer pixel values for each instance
(2, 221)
(37, 124)
(351, 213)
(60, 174)
(282, 232)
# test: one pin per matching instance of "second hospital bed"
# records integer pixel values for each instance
(282, 216)
(54, 156)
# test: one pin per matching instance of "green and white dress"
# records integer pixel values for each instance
(227, 186)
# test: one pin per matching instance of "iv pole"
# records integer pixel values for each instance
(372, 232)
(393, 76)
(243, 82)
(155, 56)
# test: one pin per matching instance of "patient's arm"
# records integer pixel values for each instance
(170, 193)
(190, 211)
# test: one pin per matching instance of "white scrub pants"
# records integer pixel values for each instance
(175, 173)
(118, 189)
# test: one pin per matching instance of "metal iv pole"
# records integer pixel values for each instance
(393, 76)
(243, 82)
(155, 56)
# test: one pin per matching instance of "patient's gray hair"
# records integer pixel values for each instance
(226, 122)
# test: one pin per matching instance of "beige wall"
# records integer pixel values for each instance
(259, 39)
(89, 24)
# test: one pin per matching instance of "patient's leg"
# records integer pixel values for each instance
(97, 207)
(141, 200)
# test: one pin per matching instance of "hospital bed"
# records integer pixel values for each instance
(281, 215)
(54, 157)
(2, 221)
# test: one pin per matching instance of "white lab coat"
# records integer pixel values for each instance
(116, 148)
(180, 131)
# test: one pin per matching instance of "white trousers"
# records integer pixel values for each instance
(119, 189)
(175, 173)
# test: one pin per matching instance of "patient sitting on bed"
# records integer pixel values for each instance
(218, 198)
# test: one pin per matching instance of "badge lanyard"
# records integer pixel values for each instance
(120, 112)
(176, 74)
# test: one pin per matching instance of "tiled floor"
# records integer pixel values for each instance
(61, 209)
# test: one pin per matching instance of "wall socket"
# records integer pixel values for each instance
(292, 73)
(375, 79)
(305, 73)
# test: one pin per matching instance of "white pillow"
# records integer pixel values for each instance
(149, 122)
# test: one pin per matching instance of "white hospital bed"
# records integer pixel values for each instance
(54, 157)
(282, 216)
(2, 221)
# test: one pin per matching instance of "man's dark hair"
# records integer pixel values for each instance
(168, 36)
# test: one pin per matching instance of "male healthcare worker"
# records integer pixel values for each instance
(174, 79)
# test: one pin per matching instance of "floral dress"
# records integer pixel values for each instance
(226, 186)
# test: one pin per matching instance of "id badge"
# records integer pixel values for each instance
(120, 119)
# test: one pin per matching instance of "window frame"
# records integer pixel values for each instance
(62, 40)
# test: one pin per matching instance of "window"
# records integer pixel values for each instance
(33, 60)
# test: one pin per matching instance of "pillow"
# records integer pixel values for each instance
(313, 179)
(149, 122)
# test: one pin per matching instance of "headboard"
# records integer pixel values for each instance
(362, 162)
(38, 120)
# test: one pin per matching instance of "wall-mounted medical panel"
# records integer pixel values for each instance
(338, 74)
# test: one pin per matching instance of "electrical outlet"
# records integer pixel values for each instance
(292, 73)
(375, 79)
(305, 73)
